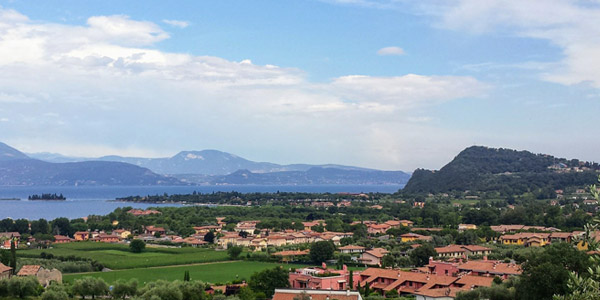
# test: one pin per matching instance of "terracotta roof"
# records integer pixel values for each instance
(491, 266)
(4, 268)
(475, 281)
(29, 270)
(439, 293)
(352, 247)
(10, 234)
(377, 252)
(379, 226)
(61, 238)
(450, 249)
(290, 294)
(474, 248)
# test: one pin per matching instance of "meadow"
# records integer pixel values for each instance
(215, 273)
(118, 256)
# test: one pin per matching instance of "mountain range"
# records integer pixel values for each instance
(207, 167)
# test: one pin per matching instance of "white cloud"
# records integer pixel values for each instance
(177, 23)
(114, 94)
(391, 51)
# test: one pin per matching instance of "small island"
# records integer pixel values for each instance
(48, 197)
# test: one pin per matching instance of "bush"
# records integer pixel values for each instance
(137, 246)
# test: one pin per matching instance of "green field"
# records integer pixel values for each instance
(118, 256)
(220, 272)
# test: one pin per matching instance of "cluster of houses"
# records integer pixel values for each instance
(437, 280)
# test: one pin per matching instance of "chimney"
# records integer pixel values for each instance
(431, 259)
(347, 293)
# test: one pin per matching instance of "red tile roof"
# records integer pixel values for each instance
(29, 270)
(4, 268)
(290, 294)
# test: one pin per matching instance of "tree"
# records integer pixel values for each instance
(137, 246)
(268, 280)
(186, 276)
(351, 280)
(421, 255)
(321, 251)
(90, 286)
(209, 237)
(123, 289)
(234, 251)
(13, 256)
(388, 261)
(546, 273)
(191, 290)
(23, 287)
(55, 292)
(161, 289)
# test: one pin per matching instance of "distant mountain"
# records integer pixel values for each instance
(9, 153)
(16, 168)
(505, 171)
(209, 167)
(205, 162)
(315, 175)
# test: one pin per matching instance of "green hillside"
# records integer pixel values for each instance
(506, 171)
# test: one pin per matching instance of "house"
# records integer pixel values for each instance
(455, 251)
(206, 229)
(378, 228)
(528, 239)
(291, 294)
(247, 226)
(411, 237)
(122, 233)
(490, 268)
(373, 256)
(322, 279)
(108, 238)
(463, 227)
(393, 223)
(308, 225)
(43, 275)
(437, 294)
(154, 230)
(407, 223)
(81, 236)
(376, 206)
(6, 237)
(352, 249)
(61, 239)
(5, 271)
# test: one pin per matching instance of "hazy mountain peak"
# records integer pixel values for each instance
(9, 153)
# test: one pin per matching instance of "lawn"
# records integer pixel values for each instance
(220, 272)
(118, 256)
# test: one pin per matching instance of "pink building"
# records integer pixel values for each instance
(322, 279)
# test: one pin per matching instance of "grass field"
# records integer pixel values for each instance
(118, 256)
(220, 272)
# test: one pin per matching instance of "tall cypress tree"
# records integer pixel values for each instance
(351, 280)
(13, 256)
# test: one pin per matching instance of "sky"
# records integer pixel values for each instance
(386, 84)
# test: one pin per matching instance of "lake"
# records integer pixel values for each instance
(93, 200)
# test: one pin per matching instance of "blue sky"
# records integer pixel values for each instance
(389, 84)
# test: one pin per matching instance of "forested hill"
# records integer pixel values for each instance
(506, 171)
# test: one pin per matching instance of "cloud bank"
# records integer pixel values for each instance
(104, 88)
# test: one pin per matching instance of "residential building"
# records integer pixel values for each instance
(61, 239)
(411, 237)
(455, 251)
(5, 271)
(154, 230)
(43, 275)
(121, 233)
(291, 294)
(81, 236)
(373, 257)
(352, 249)
(463, 227)
(322, 279)
(6, 237)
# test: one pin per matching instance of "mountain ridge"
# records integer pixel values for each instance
(504, 171)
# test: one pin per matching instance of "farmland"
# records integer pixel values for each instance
(118, 256)
(219, 272)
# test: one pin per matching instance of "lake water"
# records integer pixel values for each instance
(93, 200)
